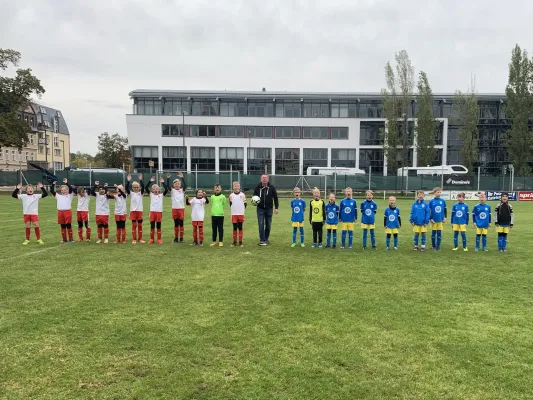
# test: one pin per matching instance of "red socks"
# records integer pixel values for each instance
(176, 232)
(38, 233)
(64, 234)
(28, 230)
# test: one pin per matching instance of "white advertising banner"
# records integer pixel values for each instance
(469, 195)
(428, 196)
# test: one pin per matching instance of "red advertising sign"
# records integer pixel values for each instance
(525, 196)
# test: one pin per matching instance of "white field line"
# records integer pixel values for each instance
(30, 253)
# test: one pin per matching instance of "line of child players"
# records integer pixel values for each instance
(422, 214)
(135, 190)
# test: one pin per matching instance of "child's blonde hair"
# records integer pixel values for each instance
(296, 190)
(64, 186)
(29, 186)
(348, 188)
(176, 180)
(136, 184)
(369, 192)
(392, 198)
(80, 190)
(436, 189)
(419, 192)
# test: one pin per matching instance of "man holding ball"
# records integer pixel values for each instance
(267, 205)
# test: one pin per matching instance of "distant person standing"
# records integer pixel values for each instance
(267, 206)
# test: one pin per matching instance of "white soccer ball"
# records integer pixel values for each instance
(255, 200)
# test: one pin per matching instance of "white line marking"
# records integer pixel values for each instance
(30, 253)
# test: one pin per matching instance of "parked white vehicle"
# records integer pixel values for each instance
(435, 170)
(334, 170)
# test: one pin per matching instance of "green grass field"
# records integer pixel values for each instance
(88, 321)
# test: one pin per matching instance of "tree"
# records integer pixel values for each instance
(15, 95)
(396, 99)
(519, 109)
(113, 150)
(465, 114)
(83, 160)
(426, 122)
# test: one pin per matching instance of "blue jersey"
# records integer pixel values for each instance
(481, 215)
(460, 214)
(419, 213)
(437, 210)
(392, 218)
(348, 210)
(332, 213)
(298, 210)
(368, 212)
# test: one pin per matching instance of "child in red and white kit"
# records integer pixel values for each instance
(177, 192)
(197, 215)
(82, 214)
(102, 211)
(136, 208)
(156, 207)
(237, 201)
(64, 209)
(30, 209)
(120, 214)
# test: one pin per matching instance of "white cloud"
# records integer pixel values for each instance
(89, 55)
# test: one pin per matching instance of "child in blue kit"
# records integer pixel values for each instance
(392, 222)
(332, 220)
(348, 216)
(419, 219)
(437, 216)
(481, 218)
(369, 209)
(460, 219)
(297, 218)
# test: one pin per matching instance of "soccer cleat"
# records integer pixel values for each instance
(334, 246)
(293, 245)
(80, 240)
(181, 240)
(151, 241)
(423, 249)
(220, 244)
(194, 243)
(374, 248)
(213, 244)
(201, 243)
(485, 249)
(320, 245)
(415, 248)
(313, 245)
(176, 240)
(124, 242)
(142, 241)
(99, 241)
(106, 240)
(476, 249)
(388, 248)
(40, 241)
(240, 244)
(88, 240)
(364, 247)
(328, 246)
(71, 241)
(159, 241)
(234, 244)
(465, 249)
(396, 248)
(504, 250)
(133, 242)
(350, 247)
(116, 242)
(455, 249)
(26, 242)
(262, 244)
(342, 247)
(302, 245)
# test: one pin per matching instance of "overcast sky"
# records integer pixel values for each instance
(90, 54)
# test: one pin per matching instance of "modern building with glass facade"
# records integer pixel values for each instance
(286, 132)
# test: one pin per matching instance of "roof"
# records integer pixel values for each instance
(229, 94)
(49, 115)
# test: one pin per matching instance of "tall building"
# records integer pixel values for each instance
(286, 132)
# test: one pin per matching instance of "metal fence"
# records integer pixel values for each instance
(334, 182)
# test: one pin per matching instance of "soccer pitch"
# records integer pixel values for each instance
(173, 321)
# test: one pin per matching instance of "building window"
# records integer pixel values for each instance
(203, 158)
(289, 109)
(343, 158)
(142, 155)
(42, 110)
(14, 155)
(26, 119)
(316, 110)
(370, 133)
(315, 132)
(288, 161)
(370, 109)
(410, 131)
(371, 158)
(31, 157)
(175, 158)
(26, 156)
(230, 131)
(342, 110)
(58, 166)
(1, 155)
(32, 122)
(339, 133)
(259, 131)
(202, 130)
(173, 130)
(231, 159)
(232, 109)
(48, 151)
(315, 158)
(259, 160)
(32, 139)
(56, 125)
(204, 107)
(41, 149)
(57, 152)
(56, 141)
(439, 133)
(170, 106)
(261, 109)
(287, 132)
